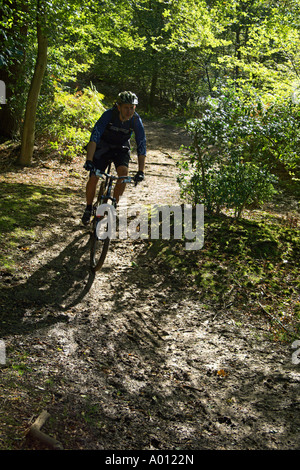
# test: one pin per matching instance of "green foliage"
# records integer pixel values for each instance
(278, 131)
(68, 123)
(233, 184)
(228, 161)
(155, 48)
(263, 47)
(178, 60)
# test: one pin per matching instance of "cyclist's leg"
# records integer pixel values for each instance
(100, 161)
(91, 189)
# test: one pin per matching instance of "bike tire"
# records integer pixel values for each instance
(98, 248)
(98, 252)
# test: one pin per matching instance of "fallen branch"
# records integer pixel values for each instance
(35, 432)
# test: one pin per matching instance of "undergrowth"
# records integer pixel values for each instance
(251, 265)
(67, 122)
(26, 210)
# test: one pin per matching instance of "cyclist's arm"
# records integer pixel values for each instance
(91, 148)
(96, 134)
(100, 126)
(141, 162)
(141, 143)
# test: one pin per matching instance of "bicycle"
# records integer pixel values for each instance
(100, 242)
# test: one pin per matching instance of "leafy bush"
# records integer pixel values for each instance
(232, 184)
(278, 132)
(236, 148)
(68, 123)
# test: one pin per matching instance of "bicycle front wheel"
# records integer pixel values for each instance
(99, 247)
(99, 241)
(98, 252)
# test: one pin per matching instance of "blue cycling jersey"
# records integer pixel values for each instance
(110, 129)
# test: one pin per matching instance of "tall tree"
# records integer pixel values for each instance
(28, 134)
(263, 43)
(173, 35)
(65, 30)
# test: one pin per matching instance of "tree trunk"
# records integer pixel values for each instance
(28, 134)
(237, 52)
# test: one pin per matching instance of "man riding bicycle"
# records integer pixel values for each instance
(110, 140)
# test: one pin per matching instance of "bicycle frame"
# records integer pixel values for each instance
(104, 196)
(109, 179)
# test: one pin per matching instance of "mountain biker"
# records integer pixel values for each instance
(110, 140)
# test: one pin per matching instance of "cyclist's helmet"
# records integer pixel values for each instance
(127, 97)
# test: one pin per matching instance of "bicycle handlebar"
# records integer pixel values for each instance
(126, 179)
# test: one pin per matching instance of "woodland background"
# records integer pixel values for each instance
(173, 54)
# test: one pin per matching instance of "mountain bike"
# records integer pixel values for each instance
(101, 220)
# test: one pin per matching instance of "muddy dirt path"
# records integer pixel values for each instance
(131, 359)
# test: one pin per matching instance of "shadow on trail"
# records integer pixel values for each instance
(159, 391)
(55, 287)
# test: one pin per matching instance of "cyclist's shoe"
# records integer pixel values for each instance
(86, 216)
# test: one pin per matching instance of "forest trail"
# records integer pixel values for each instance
(131, 359)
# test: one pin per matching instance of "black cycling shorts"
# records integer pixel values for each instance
(119, 157)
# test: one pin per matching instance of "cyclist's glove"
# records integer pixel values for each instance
(89, 165)
(139, 177)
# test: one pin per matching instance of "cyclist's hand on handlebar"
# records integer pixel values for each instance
(139, 177)
(89, 165)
